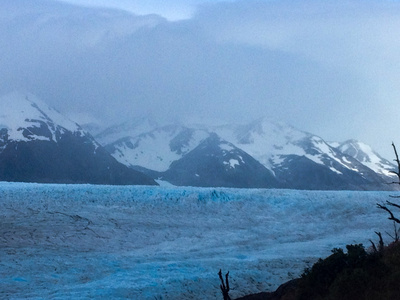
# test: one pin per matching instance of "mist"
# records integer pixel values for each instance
(327, 67)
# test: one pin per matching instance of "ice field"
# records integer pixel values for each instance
(129, 242)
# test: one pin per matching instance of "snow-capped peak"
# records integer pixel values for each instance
(265, 140)
(157, 149)
(367, 156)
(27, 118)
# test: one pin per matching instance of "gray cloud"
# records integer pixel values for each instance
(331, 68)
(172, 9)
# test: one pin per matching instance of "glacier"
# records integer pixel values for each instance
(144, 242)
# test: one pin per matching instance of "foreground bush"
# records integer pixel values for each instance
(353, 275)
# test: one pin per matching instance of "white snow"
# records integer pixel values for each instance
(367, 156)
(264, 140)
(20, 110)
(232, 163)
(345, 160)
(315, 158)
(326, 149)
(163, 183)
(333, 144)
(85, 241)
(153, 151)
(335, 170)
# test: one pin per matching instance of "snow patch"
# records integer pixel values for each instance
(336, 171)
(153, 151)
(344, 158)
(232, 163)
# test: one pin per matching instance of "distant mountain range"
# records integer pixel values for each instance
(258, 154)
(38, 144)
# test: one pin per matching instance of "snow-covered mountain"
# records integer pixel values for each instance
(26, 118)
(156, 149)
(38, 144)
(297, 159)
(367, 156)
(188, 156)
(264, 140)
(215, 162)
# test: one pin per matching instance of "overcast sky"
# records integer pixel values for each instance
(328, 67)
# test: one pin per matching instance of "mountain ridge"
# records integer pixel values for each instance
(296, 158)
(38, 144)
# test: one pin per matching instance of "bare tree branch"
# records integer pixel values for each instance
(392, 217)
(395, 237)
(393, 204)
(373, 246)
(397, 161)
(227, 281)
(381, 244)
(393, 182)
(222, 280)
(381, 206)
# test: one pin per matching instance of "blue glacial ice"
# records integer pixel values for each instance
(88, 241)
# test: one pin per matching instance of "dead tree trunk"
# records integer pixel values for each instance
(224, 287)
(389, 203)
